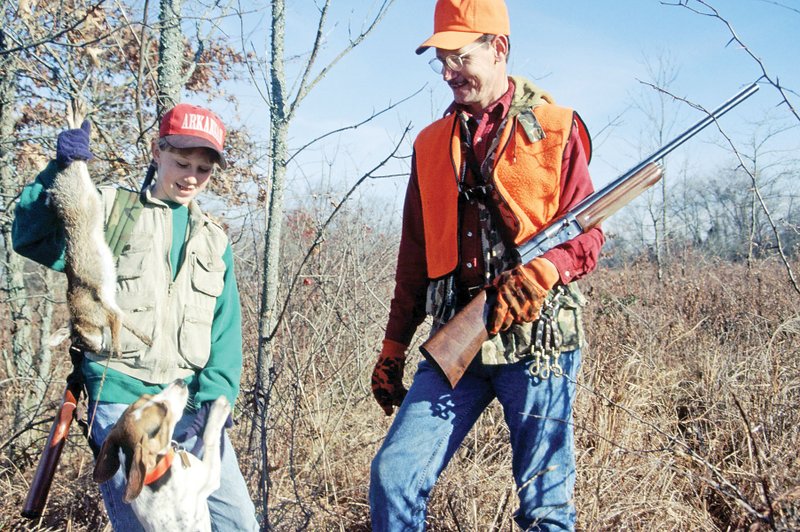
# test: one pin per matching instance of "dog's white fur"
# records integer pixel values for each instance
(141, 436)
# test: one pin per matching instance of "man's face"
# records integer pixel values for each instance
(482, 80)
(182, 174)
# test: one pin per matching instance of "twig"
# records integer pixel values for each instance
(712, 12)
(305, 85)
(321, 231)
(759, 469)
(453, 513)
(354, 126)
(56, 35)
(28, 426)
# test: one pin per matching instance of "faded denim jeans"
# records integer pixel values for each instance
(230, 506)
(434, 419)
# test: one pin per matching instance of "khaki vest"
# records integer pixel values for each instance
(177, 314)
(527, 177)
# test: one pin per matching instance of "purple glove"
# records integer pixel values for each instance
(196, 429)
(73, 145)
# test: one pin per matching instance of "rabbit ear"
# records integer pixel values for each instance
(107, 462)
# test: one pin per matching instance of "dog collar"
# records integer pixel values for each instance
(162, 467)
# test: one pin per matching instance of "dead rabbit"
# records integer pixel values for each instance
(90, 270)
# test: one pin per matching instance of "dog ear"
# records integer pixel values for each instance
(107, 462)
(163, 437)
(138, 470)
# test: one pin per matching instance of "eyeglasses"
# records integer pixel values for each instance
(454, 62)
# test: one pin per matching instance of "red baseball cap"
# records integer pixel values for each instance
(190, 126)
(456, 23)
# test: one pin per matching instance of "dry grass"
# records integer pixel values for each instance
(686, 403)
(686, 415)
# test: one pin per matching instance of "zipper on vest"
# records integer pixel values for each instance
(170, 272)
(168, 248)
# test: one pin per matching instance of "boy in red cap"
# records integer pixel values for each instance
(175, 284)
(502, 163)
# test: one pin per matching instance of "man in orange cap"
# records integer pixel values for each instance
(502, 163)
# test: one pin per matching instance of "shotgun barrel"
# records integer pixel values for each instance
(43, 478)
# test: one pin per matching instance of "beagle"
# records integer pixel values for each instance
(164, 493)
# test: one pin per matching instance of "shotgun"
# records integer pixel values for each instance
(453, 347)
(43, 478)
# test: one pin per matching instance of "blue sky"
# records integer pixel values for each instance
(590, 54)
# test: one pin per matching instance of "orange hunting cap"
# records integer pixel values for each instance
(456, 23)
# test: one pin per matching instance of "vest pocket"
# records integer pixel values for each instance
(194, 339)
(570, 318)
(208, 274)
(139, 314)
(130, 264)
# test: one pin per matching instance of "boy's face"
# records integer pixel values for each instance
(182, 174)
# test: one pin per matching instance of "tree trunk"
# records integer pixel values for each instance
(663, 249)
(282, 106)
(21, 358)
(279, 125)
(170, 56)
(752, 216)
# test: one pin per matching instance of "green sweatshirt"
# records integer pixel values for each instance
(38, 234)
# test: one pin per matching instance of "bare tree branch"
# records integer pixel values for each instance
(712, 12)
(756, 188)
(780, 4)
(321, 231)
(306, 86)
(354, 126)
(51, 38)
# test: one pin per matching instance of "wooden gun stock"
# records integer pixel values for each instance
(43, 478)
(453, 347)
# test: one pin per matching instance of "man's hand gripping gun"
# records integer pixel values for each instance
(457, 343)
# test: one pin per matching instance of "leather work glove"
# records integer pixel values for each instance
(196, 429)
(387, 377)
(521, 292)
(73, 145)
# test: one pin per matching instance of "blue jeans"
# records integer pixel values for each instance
(230, 506)
(434, 419)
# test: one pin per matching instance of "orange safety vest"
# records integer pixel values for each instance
(527, 176)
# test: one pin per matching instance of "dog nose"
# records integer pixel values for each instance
(179, 383)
